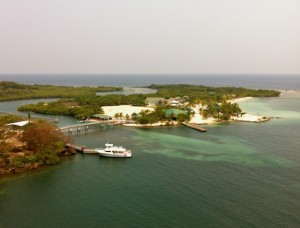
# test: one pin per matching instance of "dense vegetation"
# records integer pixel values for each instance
(16, 91)
(221, 111)
(45, 142)
(112, 99)
(210, 93)
(62, 107)
(38, 144)
(87, 105)
(159, 114)
(84, 106)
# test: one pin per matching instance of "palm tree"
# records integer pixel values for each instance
(236, 109)
(117, 115)
(134, 116)
(217, 109)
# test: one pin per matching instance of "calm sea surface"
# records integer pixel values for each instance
(234, 175)
(291, 82)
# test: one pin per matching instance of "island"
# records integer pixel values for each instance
(37, 143)
(180, 103)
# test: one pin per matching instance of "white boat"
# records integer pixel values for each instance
(114, 151)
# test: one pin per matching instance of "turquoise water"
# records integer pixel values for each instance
(235, 175)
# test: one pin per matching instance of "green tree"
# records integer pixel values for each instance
(222, 111)
(45, 141)
(134, 116)
(160, 112)
(181, 117)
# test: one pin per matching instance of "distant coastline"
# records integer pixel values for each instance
(253, 81)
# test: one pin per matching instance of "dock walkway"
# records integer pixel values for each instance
(81, 149)
(85, 125)
(195, 126)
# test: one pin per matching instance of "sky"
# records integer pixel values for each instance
(150, 36)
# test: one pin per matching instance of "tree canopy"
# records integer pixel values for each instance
(222, 111)
(86, 105)
(45, 141)
(209, 93)
(15, 91)
(83, 106)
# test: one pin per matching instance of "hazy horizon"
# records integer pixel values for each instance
(150, 37)
(151, 74)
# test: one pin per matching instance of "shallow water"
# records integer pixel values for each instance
(235, 175)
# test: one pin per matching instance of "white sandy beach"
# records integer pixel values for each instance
(250, 118)
(197, 118)
(125, 109)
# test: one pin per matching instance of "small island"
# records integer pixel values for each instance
(38, 143)
(180, 103)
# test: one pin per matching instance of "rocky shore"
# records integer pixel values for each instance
(24, 168)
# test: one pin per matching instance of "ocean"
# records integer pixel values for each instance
(290, 82)
(234, 175)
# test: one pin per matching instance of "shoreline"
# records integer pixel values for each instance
(196, 119)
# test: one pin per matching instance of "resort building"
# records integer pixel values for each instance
(178, 101)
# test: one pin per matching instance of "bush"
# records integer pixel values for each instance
(45, 141)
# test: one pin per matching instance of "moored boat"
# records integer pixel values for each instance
(114, 151)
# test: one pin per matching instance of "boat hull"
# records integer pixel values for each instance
(116, 156)
(126, 154)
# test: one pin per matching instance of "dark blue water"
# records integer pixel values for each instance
(290, 82)
(234, 175)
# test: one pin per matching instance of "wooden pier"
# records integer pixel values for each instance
(84, 127)
(195, 126)
(81, 149)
